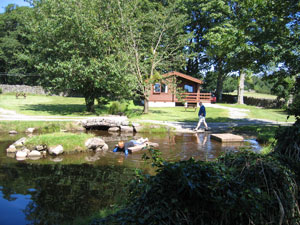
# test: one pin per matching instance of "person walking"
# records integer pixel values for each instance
(202, 115)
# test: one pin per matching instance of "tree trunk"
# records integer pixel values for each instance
(89, 102)
(146, 106)
(219, 86)
(240, 90)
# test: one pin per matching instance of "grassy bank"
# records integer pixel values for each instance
(40, 126)
(70, 142)
(264, 135)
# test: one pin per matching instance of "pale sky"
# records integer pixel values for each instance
(4, 3)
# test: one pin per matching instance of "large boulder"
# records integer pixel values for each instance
(127, 129)
(12, 132)
(21, 154)
(94, 143)
(34, 153)
(20, 142)
(57, 150)
(30, 130)
(114, 129)
(11, 149)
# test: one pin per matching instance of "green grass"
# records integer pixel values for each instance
(255, 95)
(179, 114)
(265, 135)
(44, 105)
(71, 142)
(40, 126)
(278, 115)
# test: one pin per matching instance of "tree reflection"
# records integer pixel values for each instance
(63, 193)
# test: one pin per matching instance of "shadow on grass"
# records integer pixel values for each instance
(63, 110)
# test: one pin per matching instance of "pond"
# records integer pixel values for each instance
(73, 188)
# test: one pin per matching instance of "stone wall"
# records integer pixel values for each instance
(22, 88)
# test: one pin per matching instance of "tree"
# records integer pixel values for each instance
(14, 44)
(76, 47)
(245, 35)
(155, 38)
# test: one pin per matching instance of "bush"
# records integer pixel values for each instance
(117, 108)
(0, 90)
(241, 188)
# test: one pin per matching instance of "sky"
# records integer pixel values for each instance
(4, 3)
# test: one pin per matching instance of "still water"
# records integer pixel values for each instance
(72, 188)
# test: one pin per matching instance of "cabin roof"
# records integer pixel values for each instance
(175, 73)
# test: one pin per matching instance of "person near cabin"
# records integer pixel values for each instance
(202, 115)
(123, 147)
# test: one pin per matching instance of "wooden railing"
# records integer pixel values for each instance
(195, 97)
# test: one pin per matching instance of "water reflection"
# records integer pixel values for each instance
(59, 194)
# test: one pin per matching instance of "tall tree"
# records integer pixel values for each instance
(155, 37)
(14, 43)
(76, 44)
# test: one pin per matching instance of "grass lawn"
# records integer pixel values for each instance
(43, 105)
(179, 114)
(255, 95)
(278, 115)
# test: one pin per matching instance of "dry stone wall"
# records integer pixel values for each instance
(22, 88)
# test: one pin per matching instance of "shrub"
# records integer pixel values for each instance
(0, 90)
(242, 188)
(117, 108)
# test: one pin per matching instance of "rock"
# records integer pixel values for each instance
(34, 153)
(92, 158)
(41, 147)
(11, 149)
(30, 130)
(56, 159)
(12, 132)
(126, 129)
(20, 142)
(138, 129)
(114, 129)
(57, 150)
(94, 143)
(105, 147)
(21, 154)
(11, 155)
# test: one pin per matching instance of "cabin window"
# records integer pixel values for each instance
(160, 88)
(157, 88)
(164, 88)
(189, 88)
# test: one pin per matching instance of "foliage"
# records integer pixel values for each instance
(0, 90)
(118, 108)
(77, 47)
(288, 142)
(235, 36)
(71, 142)
(155, 40)
(15, 45)
(240, 188)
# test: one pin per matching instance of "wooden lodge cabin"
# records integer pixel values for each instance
(162, 94)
